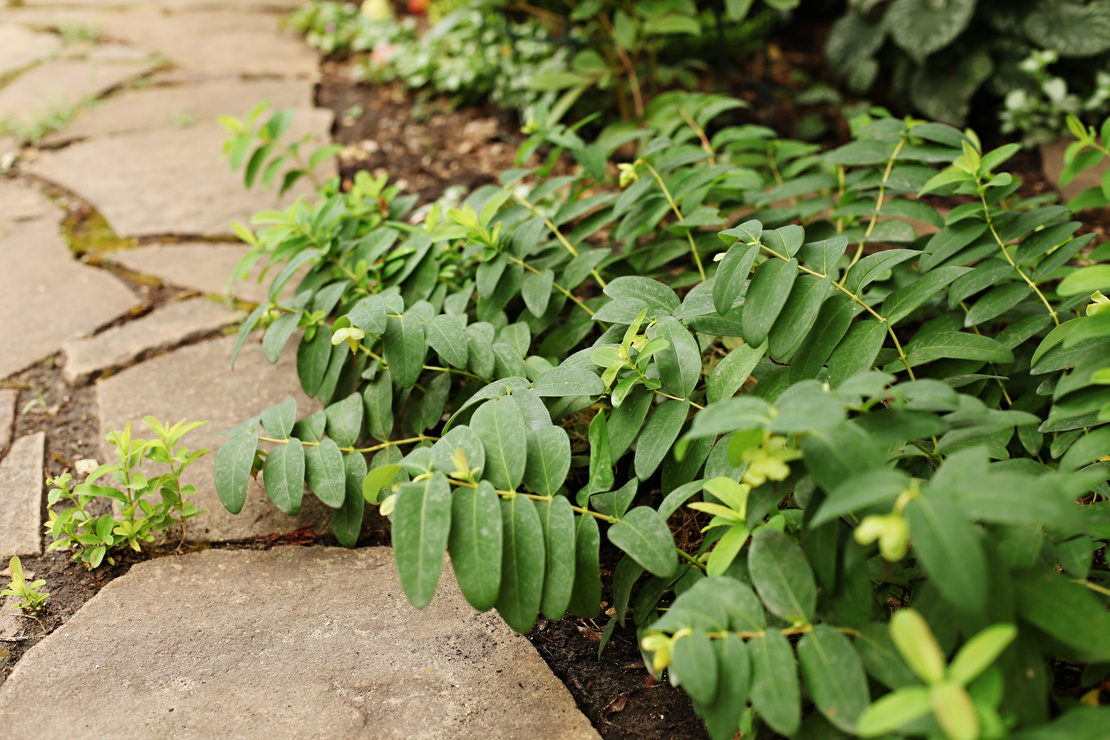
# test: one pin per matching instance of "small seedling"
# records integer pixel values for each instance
(32, 599)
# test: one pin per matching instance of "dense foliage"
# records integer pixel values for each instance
(875, 375)
(937, 55)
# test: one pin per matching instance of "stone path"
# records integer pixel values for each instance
(292, 642)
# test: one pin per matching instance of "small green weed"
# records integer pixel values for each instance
(32, 599)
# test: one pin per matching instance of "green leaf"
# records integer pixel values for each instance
(536, 291)
(378, 397)
(722, 718)
(644, 535)
(421, 524)
(834, 676)
(475, 543)
(345, 420)
(902, 302)
(446, 335)
(859, 493)
(369, 315)
(874, 266)
(278, 334)
(954, 345)
(522, 563)
(346, 521)
(248, 326)
(404, 348)
(776, 693)
(798, 315)
(325, 473)
(922, 27)
(313, 357)
(559, 537)
(1085, 280)
(949, 550)
(283, 476)
(731, 372)
(278, 420)
(567, 380)
(894, 710)
(1073, 29)
(479, 347)
(766, 297)
(652, 292)
(835, 455)
(1068, 612)
(232, 470)
(548, 461)
(694, 666)
(659, 435)
(996, 302)
(732, 274)
(980, 651)
(601, 458)
(377, 479)
(833, 322)
(459, 438)
(500, 426)
(585, 601)
(679, 363)
(782, 576)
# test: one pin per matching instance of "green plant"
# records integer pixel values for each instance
(258, 148)
(34, 130)
(866, 418)
(1088, 150)
(1040, 113)
(936, 55)
(94, 538)
(31, 598)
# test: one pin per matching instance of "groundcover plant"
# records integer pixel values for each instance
(869, 419)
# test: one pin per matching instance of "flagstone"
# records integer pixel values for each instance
(165, 328)
(198, 384)
(182, 106)
(46, 297)
(21, 482)
(201, 266)
(171, 181)
(56, 86)
(20, 47)
(289, 642)
(7, 416)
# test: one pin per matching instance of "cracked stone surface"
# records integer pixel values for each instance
(182, 106)
(21, 46)
(196, 383)
(171, 181)
(40, 279)
(218, 44)
(171, 326)
(290, 642)
(21, 482)
(56, 86)
(199, 266)
(7, 416)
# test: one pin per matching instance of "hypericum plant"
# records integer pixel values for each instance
(870, 418)
(260, 147)
(31, 596)
(936, 55)
(144, 504)
(1039, 112)
(1088, 150)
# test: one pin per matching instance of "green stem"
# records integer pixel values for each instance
(678, 214)
(558, 235)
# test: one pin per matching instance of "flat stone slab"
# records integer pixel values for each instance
(21, 46)
(46, 297)
(216, 43)
(7, 416)
(177, 4)
(291, 642)
(182, 106)
(200, 266)
(21, 482)
(165, 328)
(197, 384)
(56, 86)
(172, 181)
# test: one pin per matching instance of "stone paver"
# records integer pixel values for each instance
(172, 181)
(200, 266)
(1052, 161)
(216, 43)
(7, 416)
(291, 642)
(196, 383)
(55, 86)
(165, 328)
(178, 4)
(183, 106)
(21, 482)
(46, 297)
(21, 46)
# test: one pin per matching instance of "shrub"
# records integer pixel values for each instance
(865, 418)
(937, 55)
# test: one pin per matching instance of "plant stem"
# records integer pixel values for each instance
(678, 214)
(558, 235)
(878, 206)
